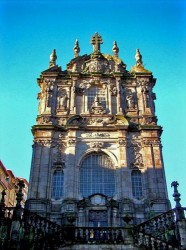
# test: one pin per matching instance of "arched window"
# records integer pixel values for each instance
(137, 184)
(57, 184)
(97, 175)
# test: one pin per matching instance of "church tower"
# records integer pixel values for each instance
(97, 153)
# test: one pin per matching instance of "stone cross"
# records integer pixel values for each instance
(96, 41)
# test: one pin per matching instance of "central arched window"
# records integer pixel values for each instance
(97, 175)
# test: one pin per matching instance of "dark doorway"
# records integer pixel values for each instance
(98, 218)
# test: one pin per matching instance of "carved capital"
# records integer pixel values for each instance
(122, 142)
(149, 142)
(43, 142)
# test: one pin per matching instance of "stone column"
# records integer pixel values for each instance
(72, 97)
(114, 217)
(35, 168)
(43, 175)
(69, 181)
(109, 100)
(118, 98)
(124, 184)
(81, 217)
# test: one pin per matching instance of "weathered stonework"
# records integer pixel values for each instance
(97, 106)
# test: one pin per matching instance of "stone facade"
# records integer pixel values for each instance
(9, 183)
(97, 153)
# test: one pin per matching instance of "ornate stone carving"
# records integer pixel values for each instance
(58, 160)
(45, 120)
(136, 156)
(122, 142)
(142, 82)
(96, 135)
(62, 100)
(97, 65)
(71, 142)
(97, 107)
(45, 143)
(45, 96)
(102, 121)
(62, 121)
(149, 142)
(113, 90)
(150, 120)
(49, 92)
(97, 145)
(130, 101)
(78, 120)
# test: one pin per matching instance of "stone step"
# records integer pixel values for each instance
(98, 247)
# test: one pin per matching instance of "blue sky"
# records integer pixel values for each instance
(31, 29)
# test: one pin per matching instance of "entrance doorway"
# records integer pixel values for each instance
(98, 218)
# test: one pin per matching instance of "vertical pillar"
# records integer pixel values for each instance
(109, 100)
(72, 99)
(114, 217)
(124, 178)
(81, 217)
(180, 216)
(118, 98)
(70, 189)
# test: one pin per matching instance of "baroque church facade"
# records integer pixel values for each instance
(97, 153)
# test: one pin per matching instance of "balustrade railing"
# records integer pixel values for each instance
(22, 229)
(162, 228)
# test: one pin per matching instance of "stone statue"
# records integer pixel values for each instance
(130, 102)
(62, 101)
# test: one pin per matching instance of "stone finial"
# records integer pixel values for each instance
(96, 40)
(53, 58)
(138, 58)
(176, 195)
(76, 48)
(115, 49)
